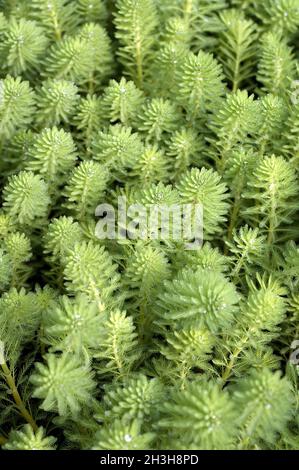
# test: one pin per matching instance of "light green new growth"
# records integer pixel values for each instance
(143, 343)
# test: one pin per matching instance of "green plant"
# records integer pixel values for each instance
(28, 440)
(236, 50)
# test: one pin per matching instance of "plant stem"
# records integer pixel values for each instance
(229, 367)
(272, 224)
(184, 371)
(16, 396)
(237, 268)
(117, 359)
(236, 70)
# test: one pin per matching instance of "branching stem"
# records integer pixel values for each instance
(3, 440)
(16, 396)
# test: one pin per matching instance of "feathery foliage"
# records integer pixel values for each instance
(27, 439)
(149, 220)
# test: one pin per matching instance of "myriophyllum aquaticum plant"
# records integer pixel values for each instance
(141, 343)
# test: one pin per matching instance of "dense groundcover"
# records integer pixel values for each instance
(141, 342)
